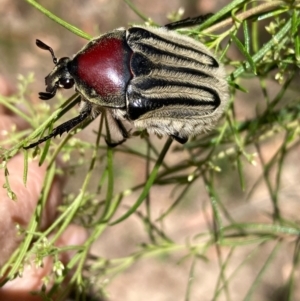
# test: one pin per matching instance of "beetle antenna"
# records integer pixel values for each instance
(63, 128)
(188, 22)
(48, 95)
(43, 46)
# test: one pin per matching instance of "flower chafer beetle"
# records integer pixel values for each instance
(155, 78)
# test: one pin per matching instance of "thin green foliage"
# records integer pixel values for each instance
(256, 283)
(213, 169)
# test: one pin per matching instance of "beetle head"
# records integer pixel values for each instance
(59, 77)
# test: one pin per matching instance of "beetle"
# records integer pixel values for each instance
(153, 77)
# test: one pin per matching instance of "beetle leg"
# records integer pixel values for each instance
(122, 128)
(179, 139)
(65, 127)
(119, 126)
(187, 22)
(113, 144)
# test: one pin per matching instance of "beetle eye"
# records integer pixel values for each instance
(66, 83)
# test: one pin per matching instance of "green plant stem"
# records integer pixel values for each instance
(148, 184)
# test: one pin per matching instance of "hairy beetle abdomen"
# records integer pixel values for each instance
(101, 69)
(178, 86)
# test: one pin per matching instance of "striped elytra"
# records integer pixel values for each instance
(184, 89)
(154, 78)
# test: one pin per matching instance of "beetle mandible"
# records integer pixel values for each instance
(155, 78)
